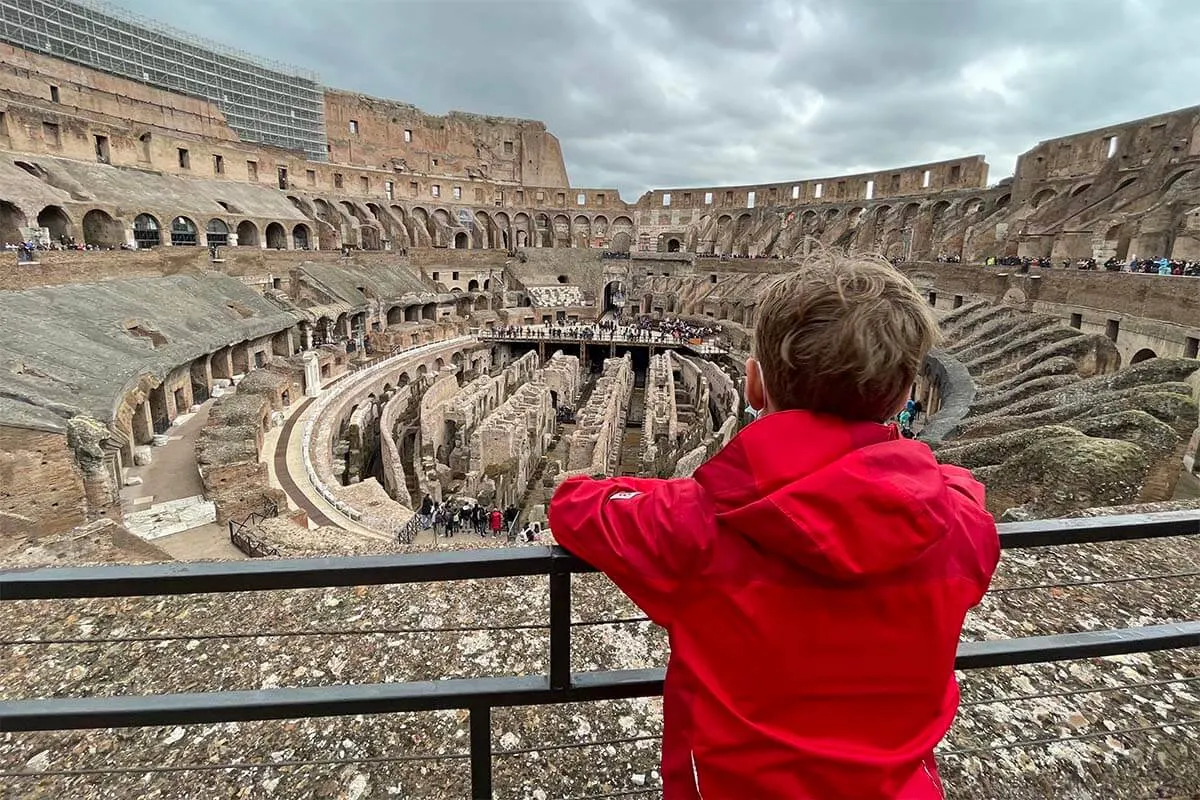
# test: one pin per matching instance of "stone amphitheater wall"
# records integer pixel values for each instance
(1151, 312)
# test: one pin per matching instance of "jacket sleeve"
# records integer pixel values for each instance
(648, 536)
(972, 509)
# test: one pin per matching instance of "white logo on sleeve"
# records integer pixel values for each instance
(624, 495)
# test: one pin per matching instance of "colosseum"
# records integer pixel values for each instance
(272, 350)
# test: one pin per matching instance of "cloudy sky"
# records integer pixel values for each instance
(662, 93)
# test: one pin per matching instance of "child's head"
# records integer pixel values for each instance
(841, 335)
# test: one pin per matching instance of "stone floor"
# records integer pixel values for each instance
(171, 517)
(172, 473)
(205, 543)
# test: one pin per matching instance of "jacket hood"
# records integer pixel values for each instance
(847, 500)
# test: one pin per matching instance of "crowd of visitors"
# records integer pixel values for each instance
(738, 257)
(25, 250)
(1151, 266)
(677, 329)
(467, 515)
(643, 329)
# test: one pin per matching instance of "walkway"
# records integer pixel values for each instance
(168, 507)
(283, 473)
(585, 334)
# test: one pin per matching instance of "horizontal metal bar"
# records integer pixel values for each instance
(137, 580)
(257, 575)
(1073, 646)
(1082, 530)
(321, 701)
(461, 693)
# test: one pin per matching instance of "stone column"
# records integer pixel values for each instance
(142, 425)
(312, 375)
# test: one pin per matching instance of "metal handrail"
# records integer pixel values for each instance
(479, 696)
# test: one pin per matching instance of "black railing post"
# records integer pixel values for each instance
(481, 752)
(560, 624)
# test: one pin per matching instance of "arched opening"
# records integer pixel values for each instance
(1171, 181)
(1127, 182)
(101, 230)
(183, 232)
(56, 220)
(301, 237)
(939, 211)
(673, 245)
(440, 364)
(1003, 201)
(522, 239)
(621, 243)
(1145, 354)
(412, 314)
(1118, 239)
(146, 232)
(472, 285)
(247, 234)
(1080, 189)
(429, 312)
(276, 237)
(11, 221)
(395, 315)
(1042, 197)
(403, 380)
(461, 241)
(614, 297)
(217, 232)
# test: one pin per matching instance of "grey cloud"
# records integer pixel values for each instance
(658, 93)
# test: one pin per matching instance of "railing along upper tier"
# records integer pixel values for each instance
(586, 334)
(478, 696)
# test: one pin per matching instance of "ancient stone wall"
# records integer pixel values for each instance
(1054, 426)
(684, 414)
(506, 447)
(451, 415)
(919, 179)
(41, 488)
(1150, 312)
(376, 133)
(593, 448)
(229, 447)
(398, 414)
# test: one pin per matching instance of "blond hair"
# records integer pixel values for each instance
(842, 335)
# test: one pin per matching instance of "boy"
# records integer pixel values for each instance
(814, 574)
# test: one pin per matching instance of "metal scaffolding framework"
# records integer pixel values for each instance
(263, 101)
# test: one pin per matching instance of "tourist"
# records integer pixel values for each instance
(496, 522)
(426, 512)
(814, 574)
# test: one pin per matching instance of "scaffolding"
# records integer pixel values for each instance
(264, 101)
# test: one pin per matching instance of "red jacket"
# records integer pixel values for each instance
(496, 520)
(813, 577)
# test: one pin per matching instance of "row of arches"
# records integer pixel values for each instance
(148, 233)
(99, 228)
(373, 226)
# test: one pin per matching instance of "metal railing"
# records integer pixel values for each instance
(241, 531)
(586, 335)
(479, 696)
